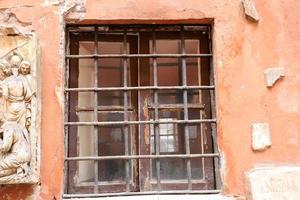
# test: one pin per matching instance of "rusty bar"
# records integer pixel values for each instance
(126, 137)
(186, 116)
(156, 117)
(106, 123)
(208, 155)
(96, 111)
(67, 196)
(202, 87)
(177, 106)
(99, 56)
(66, 112)
(103, 108)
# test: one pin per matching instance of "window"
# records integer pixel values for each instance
(139, 113)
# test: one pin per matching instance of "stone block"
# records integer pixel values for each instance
(261, 138)
(275, 183)
(250, 10)
(273, 74)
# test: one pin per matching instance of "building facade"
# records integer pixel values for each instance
(214, 83)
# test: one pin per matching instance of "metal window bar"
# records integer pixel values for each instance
(156, 126)
(126, 137)
(99, 56)
(110, 123)
(207, 155)
(96, 168)
(185, 102)
(66, 111)
(208, 87)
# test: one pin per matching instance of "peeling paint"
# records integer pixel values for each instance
(59, 95)
(73, 10)
(10, 24)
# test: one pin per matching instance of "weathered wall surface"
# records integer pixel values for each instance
(242, 49)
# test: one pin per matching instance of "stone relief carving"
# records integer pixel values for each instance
(16, 93)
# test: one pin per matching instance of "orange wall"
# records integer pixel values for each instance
(242, 51)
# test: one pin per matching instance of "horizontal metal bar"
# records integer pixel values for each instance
(95, 56)
(141, 193)
(177, 106)
(192, 121)
(143, 157)
(103, 108)
(91, 89)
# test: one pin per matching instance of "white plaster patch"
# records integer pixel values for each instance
(261, 138)
(60, 95)
(275, 183)
(51, 3)
(273, 74)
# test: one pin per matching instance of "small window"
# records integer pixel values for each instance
(139, 113)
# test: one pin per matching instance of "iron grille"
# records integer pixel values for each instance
(143, 122)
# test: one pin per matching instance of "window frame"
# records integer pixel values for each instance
(143, 181)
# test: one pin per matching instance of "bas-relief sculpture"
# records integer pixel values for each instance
(18, 159)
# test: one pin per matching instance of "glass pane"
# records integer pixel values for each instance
(86, 100)
(166, 46)
(86, 171)
(193, 71)
(112, 143)
(113, 98)
(111, 47)
(85, 117)
(170, 97)
(86, 48)
(86, 73)
(86, 148)
(112, 116)
(110, 72)
(168, 72)
(170, 169)
(168, 135)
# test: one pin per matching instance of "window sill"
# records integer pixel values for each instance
(163, 197)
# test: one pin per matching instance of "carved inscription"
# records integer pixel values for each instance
(16, 94)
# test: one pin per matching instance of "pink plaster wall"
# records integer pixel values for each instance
(242, 51)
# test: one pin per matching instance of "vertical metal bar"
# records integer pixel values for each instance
(66, 109)
(96, 112)
(156, 117)
(186, 116)
(202, 126)
(126, 134)
(213, 111)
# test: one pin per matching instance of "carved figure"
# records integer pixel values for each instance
(4, 72)
(15, 117)
(14, 149)
(17, 94)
